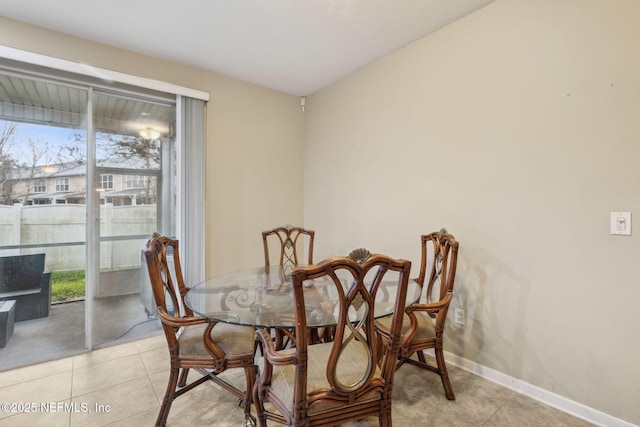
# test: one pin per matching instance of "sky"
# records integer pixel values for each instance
(56, 138)
(40, 134)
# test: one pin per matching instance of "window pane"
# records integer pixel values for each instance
(106, 182)
(40, 186)
(62, 184)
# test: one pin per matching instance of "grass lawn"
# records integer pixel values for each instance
(67, 285)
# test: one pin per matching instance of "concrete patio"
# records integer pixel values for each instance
(117, 320)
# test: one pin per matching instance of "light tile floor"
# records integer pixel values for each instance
(123, 385)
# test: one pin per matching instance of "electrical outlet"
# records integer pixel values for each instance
(458, 316)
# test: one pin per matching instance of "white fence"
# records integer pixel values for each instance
(61, 230)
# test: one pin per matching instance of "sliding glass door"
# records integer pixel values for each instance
(134, 174)
(87, 173)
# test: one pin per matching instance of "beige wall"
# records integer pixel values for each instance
(517, 128)
(254, 143)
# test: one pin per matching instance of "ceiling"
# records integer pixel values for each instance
(25, 100)
(294, 46)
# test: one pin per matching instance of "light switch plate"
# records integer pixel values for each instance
(621, 223)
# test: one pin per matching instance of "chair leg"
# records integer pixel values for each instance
(183, 377)
(444, 374)
(257, 402)
(250, 376)
(385, 419)
(161, 421)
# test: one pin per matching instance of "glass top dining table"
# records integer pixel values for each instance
(262, 297)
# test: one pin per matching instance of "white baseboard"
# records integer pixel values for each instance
(548, 398)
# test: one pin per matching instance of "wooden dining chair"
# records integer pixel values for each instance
(347, 379)
(194, 342)
(291, 240)
(423, 324)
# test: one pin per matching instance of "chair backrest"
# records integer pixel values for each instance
(440, 257)
(165, 274)
(291, 240)
(354, 367)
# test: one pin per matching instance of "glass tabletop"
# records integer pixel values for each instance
(263, 297)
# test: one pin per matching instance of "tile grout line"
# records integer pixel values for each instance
(497, 410)
(73, 372)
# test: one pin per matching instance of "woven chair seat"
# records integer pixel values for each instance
(426, 328)
(232, 339)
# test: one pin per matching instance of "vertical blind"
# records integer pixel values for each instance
(191, 130)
